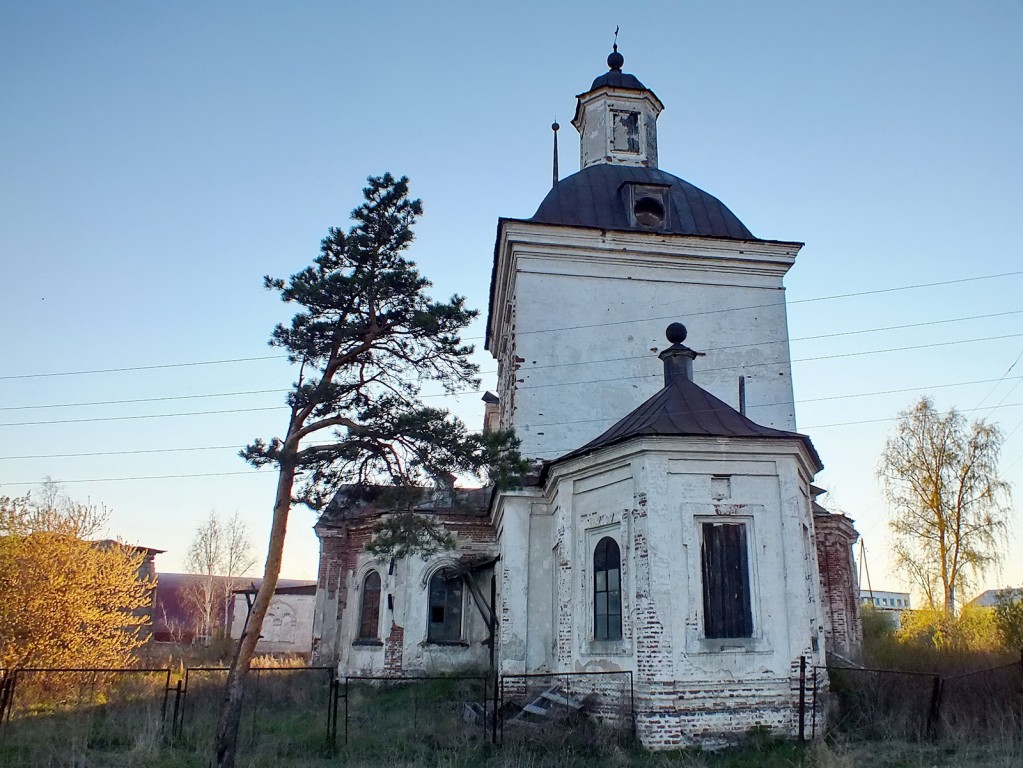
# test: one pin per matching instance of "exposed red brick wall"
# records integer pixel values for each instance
(394, 649)
(840, 592)
(342, 545)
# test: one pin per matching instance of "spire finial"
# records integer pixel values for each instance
(615, 60)
(555, 127)
(678, 358)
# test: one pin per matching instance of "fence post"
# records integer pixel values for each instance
(632, 705)
(802, 698)
(5, 691)
(163, 706)
(346, 711)
(934, 714)
(337, 693)
(502, 706)
(184, 704)
(330, 706)
(175, 724)
(813, 707)
(13, 677)
(493, 714)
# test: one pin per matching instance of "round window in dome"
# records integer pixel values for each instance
(649, 212)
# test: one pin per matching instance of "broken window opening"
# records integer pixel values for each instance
(649, 212)
(369, 616)
(607, 590)
(445, 609)
(625, 132)
(726, 592)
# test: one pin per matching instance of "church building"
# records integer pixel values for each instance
(671, 528)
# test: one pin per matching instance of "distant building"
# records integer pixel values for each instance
(176, 614)
(288, 624)
(886, 601)
(993, 597)
(146, 572)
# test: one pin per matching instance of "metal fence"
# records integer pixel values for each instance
(306, 711)
(578, 708)
(870, 703)
(388, 714)
(285, 709)
(68, 709)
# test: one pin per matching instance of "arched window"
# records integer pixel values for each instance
(607, 590)
(369, 620)
(445, 609)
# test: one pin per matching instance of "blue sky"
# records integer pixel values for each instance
(156, 160)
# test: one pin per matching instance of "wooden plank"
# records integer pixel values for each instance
(557, 699)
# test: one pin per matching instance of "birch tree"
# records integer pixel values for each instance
(949, 509)
(219, 554)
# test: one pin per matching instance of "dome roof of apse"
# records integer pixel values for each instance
(597, 197)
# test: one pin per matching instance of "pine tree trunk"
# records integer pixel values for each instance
(226, 745)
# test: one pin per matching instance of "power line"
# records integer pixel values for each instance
(779, 361)
(531, 368)
(848, 396)
(142, 400)
(251, 472)
(122, 453)
(141, 416)
(873, 292)
(811, 399)
(782, 303)
(538, 386)
(782, 341)
(255, 473)
(803, 431)
(143, 367)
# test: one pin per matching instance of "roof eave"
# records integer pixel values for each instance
(579, 453)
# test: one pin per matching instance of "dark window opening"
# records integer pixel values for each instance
(607, 590)
(649, 212)
(726, 592)
(369, 621)
(625, 134)
(445, 609)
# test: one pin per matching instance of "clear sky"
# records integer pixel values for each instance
(157, 159)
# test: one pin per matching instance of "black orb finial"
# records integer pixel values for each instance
(555, 127)
(615, 60)
(676, 333)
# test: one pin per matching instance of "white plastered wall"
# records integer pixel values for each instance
(579, 316)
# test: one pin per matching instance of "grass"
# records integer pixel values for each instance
(410, 724)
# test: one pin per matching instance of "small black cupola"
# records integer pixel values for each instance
(678, 358)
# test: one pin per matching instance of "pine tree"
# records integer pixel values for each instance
(366, 338)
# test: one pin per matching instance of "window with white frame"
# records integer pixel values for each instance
(607, 590)
(445, 609)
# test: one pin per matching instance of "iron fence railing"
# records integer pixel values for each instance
(566, 707)
(874, 703)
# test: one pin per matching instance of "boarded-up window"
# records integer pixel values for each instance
(625, 131)
(445, 609)
(726, 601)
(369, 621)
(607, 590)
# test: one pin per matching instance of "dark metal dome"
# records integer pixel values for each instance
(618, 79)
(595, 197)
